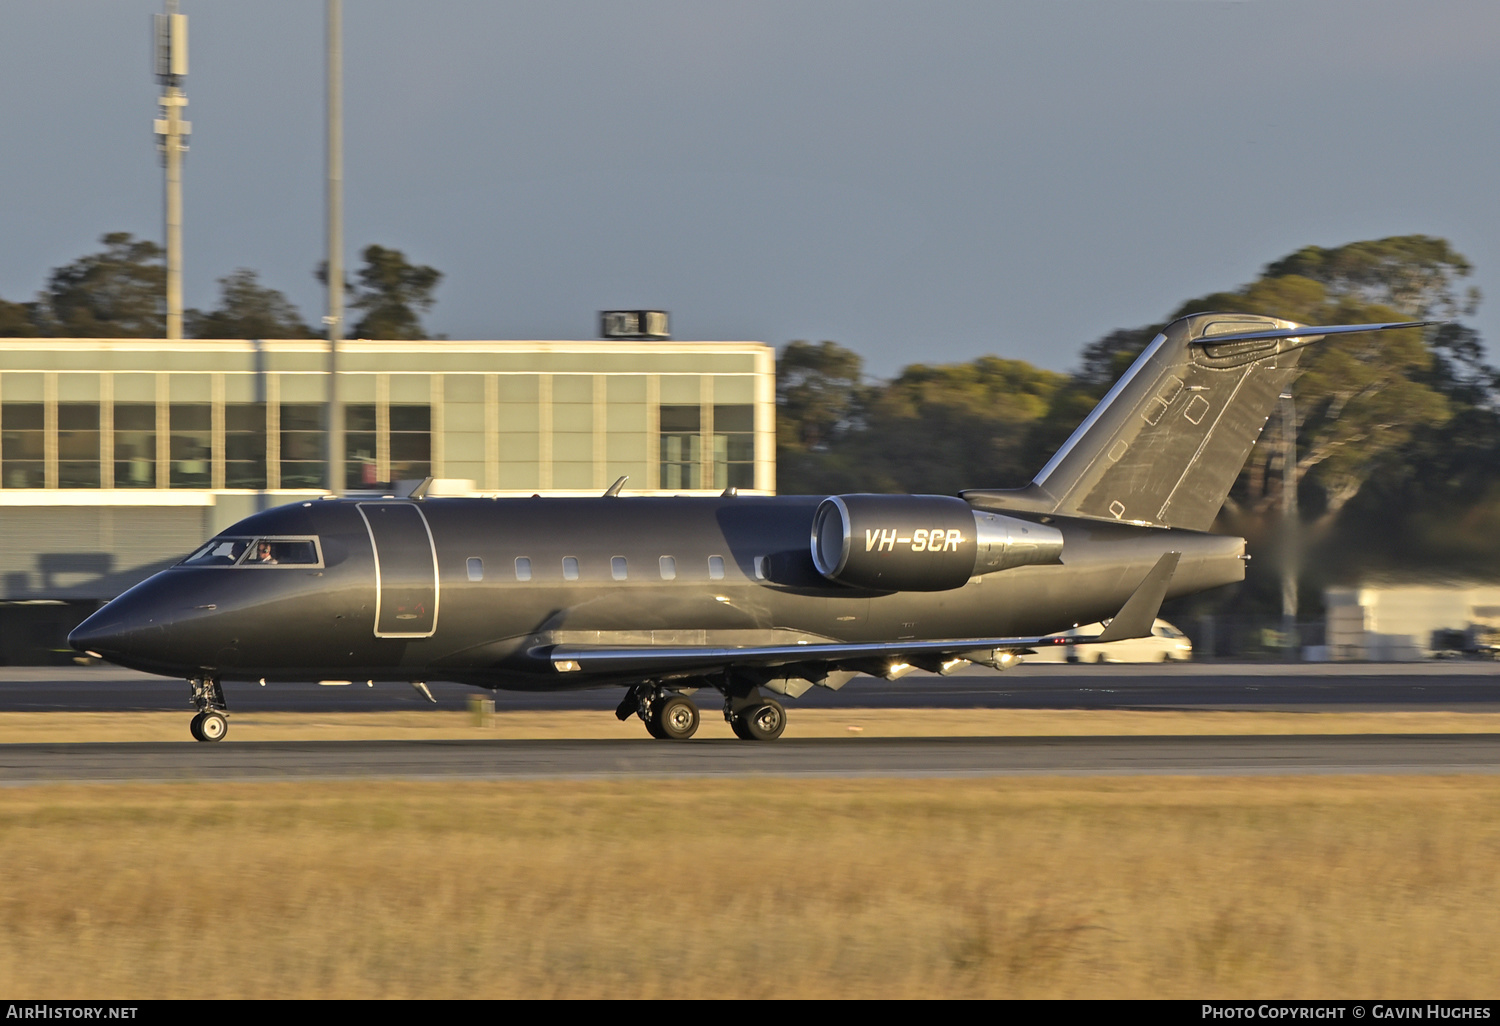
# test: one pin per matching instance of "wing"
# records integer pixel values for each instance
(885, 658)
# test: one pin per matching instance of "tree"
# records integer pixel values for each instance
(247, 309)
(938, 429)
(18, 320)
(817, 393)
(118, 293)
(819, 396)
(391, 293)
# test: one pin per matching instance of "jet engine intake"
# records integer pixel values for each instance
(921, 542)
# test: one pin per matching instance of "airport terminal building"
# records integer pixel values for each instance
(117, 456)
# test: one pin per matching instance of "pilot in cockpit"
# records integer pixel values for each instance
(263, 553)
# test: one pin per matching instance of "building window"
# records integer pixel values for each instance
(302, 445)
(23, 461)
(135, 445)
(78, 445)
(244, 445)
(734, 446)
(680, 452)
(359, 446)
(191, 444)
(411, 442)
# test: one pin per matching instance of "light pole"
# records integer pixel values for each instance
(171, 131)
(1289, 526)
(335, 318)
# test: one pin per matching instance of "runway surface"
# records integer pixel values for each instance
(852, 757)
(1463, 686)
(1458, 686)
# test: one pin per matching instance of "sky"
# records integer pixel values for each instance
(918, 180)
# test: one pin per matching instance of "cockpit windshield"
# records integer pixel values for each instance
(257, 552)
(219, 552)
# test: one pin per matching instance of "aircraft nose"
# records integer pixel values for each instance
(112, 632)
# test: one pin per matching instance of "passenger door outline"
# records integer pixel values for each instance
(392, 555)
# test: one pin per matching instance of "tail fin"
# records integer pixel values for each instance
(1164, 446)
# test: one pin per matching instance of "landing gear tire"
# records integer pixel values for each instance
(763, 722)
(676, 719)
(212, 726)
(209, 726)
(212, 721)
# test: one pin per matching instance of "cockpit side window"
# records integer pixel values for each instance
(272, 551)
(219, 552)
(282, 552)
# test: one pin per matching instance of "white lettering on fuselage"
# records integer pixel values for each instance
(934, 540)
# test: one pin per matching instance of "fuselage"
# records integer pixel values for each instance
(471, 590)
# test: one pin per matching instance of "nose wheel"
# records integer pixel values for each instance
(209, 726)
(212, 721)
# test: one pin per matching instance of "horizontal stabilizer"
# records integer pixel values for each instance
(1310, 332)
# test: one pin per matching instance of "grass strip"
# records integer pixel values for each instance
(1280, 887)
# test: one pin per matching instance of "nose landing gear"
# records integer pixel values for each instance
(212, 721)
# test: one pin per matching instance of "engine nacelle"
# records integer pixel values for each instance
(921, 542)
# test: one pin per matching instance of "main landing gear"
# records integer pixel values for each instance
(212, 721)
(672, 716)
(753, 716)
(668, 715)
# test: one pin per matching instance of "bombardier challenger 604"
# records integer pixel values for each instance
(753, 597)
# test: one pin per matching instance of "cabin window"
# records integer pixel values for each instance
(476, 568)
(760, 568)
(570, 568)
(617, 567)
(523, 568)
(716, 568)
(668, 568)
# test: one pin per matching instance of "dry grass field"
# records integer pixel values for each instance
(1143, 887)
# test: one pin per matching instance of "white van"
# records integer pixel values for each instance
(1166, 644)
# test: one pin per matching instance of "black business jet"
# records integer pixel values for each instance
(754, 597)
